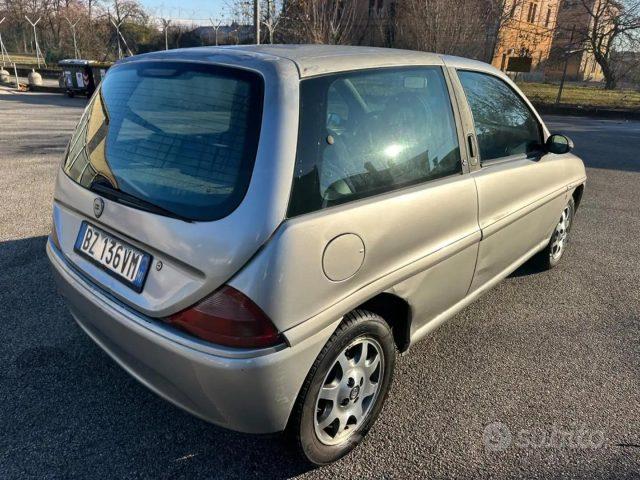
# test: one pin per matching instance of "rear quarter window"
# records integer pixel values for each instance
(369, 132)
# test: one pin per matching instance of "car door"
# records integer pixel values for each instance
(380, 201)
(521, 191)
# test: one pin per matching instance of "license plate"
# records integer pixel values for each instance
(116, 257)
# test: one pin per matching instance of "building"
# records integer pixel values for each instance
(569, 44)
(525, 36)
(519, 38)
(537, 36)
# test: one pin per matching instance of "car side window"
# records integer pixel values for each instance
(364, 133)
(504, 123)
(337, 110)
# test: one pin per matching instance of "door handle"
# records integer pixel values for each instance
(473, 154)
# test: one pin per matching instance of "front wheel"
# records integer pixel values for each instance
(345, 389)
(554, 251)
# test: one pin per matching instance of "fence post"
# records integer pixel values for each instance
(566, 65)
(256, 19)
(15, 71)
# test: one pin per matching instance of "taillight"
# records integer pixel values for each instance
(227, 317)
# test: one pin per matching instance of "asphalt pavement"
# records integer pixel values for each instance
(539, 379)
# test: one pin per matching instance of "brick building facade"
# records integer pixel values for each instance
(540, 31)
(569, 44)
(527, 32)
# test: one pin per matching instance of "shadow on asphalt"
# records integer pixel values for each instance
(70, 411)
(529, 268)
(53, 99)
(593, 141)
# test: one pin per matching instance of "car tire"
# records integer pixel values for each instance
(363, 346)
(555, 249)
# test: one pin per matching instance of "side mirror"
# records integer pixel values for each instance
(559, 144)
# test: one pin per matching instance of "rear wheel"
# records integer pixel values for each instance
(553, 253)
(345, 389)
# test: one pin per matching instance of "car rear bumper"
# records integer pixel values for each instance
(250, 391)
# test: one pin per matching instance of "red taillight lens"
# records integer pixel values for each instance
(228, 317)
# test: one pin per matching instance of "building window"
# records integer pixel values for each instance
(512, 12)
(548, 19)
(533, 10)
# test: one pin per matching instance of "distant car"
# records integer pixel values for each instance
(254, 232)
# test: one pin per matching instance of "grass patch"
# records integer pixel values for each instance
(584, 96)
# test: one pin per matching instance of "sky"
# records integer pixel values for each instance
(186, 9)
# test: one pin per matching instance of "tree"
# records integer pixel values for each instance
(132, 25)
(335, 22)
(499, 13)
(454, 27)
(611, 26)
(271, 16)
(241, 13)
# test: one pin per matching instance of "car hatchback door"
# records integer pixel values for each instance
(167, 167)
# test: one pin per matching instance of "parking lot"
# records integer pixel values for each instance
(545, 355)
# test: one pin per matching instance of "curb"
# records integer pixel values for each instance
(34, 88)
(46, 89)
(624, 114)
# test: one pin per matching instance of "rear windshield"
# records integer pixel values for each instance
(181, 137)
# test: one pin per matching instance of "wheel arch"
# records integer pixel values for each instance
(577, 195)
(396, 311)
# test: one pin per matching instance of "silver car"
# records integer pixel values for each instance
(255, 232)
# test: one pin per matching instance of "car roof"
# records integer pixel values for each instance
(313, 60)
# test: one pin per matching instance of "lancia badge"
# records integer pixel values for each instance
(98, 207)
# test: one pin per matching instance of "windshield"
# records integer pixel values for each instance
(180, 136)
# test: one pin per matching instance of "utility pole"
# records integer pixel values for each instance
(35, 39)
(216, 27)
(73, 31)
(566, 65)
(3, 49)
(256, 19)
(119, 36)
(165, 24)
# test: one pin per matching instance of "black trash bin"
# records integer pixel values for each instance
(81, 77)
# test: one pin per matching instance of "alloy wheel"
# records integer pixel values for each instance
(559, 239)
(349, 391)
